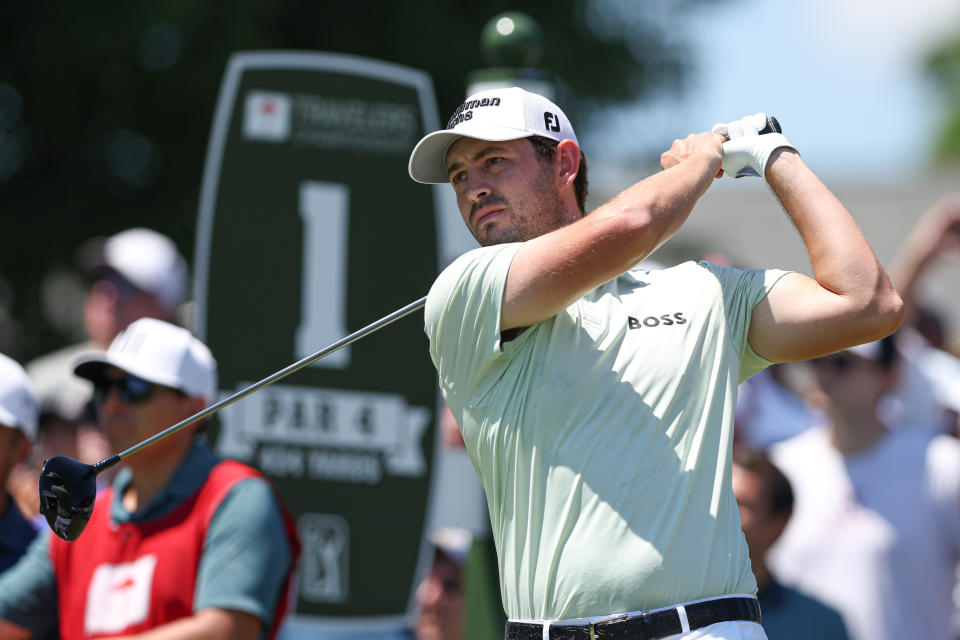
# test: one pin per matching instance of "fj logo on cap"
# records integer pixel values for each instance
(551, 121)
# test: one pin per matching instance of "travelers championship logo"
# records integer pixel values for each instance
(267, 116)
(330, 122)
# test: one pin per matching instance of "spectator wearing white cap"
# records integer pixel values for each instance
(442, 612)
(875, 531)
(18, 426)
(137, 273)
(203, 547)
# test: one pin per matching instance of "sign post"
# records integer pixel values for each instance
(309, 229)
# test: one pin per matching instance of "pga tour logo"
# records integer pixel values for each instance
(266, 116)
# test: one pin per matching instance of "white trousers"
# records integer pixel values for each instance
(734, 630)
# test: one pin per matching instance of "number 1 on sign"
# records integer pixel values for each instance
(324, 209)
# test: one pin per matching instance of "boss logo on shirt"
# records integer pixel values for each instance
(666, 320)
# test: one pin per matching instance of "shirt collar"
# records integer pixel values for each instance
(188, 477)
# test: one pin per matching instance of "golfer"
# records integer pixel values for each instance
(596, 398)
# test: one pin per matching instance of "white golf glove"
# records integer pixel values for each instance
(747, 151)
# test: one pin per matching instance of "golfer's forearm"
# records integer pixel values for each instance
(551, 271)
(843, 261)
(662, 202)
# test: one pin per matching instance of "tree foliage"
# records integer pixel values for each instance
(943, 64)
(106, 107)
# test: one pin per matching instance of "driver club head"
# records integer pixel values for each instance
(68, 489)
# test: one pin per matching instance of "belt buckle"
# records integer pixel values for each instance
(622, 627)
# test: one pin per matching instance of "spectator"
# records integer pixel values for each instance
(55, 436)
(137, 273)
(928, 392)
(765, 500)
(440, 593)
(935, 235)
(876, 528)
(18, 425)
(201, 547)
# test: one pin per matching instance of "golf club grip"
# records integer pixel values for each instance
(772, 126)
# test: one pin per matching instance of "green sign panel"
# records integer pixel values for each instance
(310, 228)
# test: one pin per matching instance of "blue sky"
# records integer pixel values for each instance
(843, 76)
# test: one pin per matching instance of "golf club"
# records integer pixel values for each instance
(773, 126)
(68, 487)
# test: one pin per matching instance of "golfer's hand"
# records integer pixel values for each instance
(746, 151)
(708, 145)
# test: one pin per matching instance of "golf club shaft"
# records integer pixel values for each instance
(296, 366)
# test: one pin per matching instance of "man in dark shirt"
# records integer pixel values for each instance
(765, 499)
(18, 427)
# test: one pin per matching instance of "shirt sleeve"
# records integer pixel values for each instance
(742, 290)
(462, 319)
(247, 556)
(28, 590)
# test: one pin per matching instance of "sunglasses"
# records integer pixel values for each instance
(130, 389)
(840, 362)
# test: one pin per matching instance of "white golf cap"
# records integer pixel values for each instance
(18, 404)
(158, 352)
(453, 541)
(151, 262)
(873, 351)
(495, 115)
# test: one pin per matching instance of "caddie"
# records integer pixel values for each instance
(183, 544)
(596, 398)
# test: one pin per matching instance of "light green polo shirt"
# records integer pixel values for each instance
(602, 435)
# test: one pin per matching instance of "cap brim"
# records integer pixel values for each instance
(9, 419)
(428, 161)
(91, 366)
